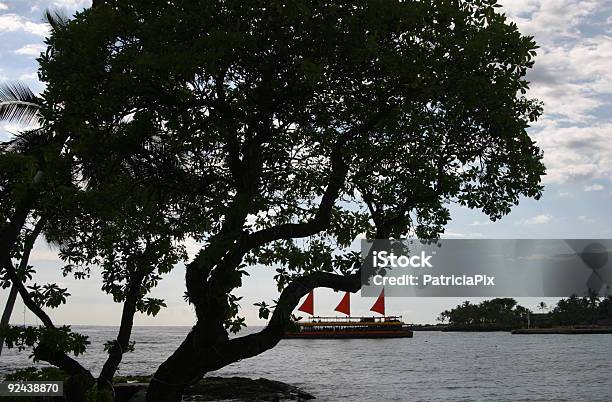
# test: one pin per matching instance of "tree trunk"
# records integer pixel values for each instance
(76, 387)
(180, 370)
(115, 354)
(202, 351)
(8, 310)
(79, 379)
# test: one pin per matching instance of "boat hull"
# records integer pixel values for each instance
(348, 334)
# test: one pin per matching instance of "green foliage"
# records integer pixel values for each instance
(37, 374)
(502, 312)
(25, 274)
(233, 322)
(587, 310)
(404, 106)
(48, 295)
(299, 257)
(582, 310)
(150, 306)
(109, 344)
(132, 378)
(264, 309)
(55, 339)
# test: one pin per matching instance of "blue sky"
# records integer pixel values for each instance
(572, 76)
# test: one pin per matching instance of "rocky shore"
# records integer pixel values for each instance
(222, 389)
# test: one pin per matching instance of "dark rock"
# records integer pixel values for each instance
(126, 392)
(244, 389)
(223, 388)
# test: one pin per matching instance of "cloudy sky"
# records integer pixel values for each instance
(572, 76)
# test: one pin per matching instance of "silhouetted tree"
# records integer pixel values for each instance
(280, 131)
(501, 313)
(134, 245)
(586, 310)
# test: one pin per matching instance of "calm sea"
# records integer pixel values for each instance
(433, 366)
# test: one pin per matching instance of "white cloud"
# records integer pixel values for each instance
(514, 8)
(586, 219)
(14, 22)
(68, 6)
(593, 187)
(480, 223)
(573, 77)
(3, 6)
(42, 254)
(537, 220)
(192, 247)
(576, 153)
(72, 4)
(28, 77)
(550, 20)
(452, 234)
(32, 49)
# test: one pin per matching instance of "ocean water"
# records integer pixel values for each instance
(432, 366)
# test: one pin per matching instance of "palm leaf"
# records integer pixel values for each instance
(18, 104)
(27, 142)
(55, 18)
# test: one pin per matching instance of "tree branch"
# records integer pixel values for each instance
(122, 342)
(57, 358)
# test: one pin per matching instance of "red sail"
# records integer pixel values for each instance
(379, 306)
(345, 304)
(308, 305)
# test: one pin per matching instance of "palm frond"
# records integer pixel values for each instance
(27, 142)
(18, 104)
(55, 18)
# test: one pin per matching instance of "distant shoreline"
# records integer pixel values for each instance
(573, 330)
(562, 331)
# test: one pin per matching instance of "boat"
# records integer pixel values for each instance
(348, 327)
